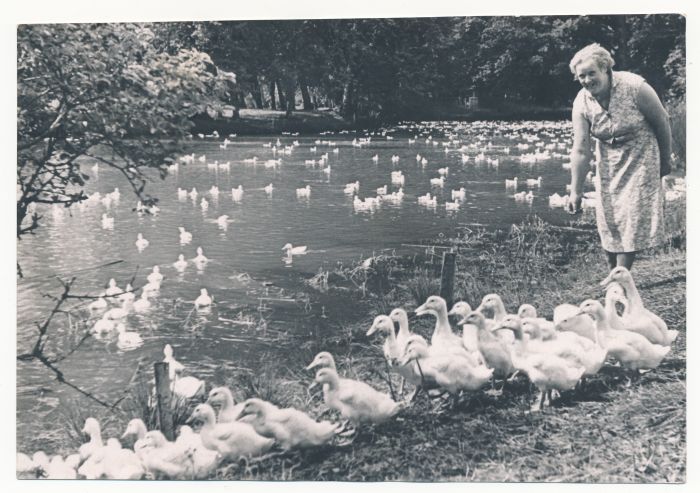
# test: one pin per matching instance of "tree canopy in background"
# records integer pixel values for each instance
(397, 68)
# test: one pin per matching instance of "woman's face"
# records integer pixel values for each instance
(592, 77)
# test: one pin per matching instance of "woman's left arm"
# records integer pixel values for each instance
(652, 109)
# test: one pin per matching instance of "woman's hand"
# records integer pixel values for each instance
(574, 204)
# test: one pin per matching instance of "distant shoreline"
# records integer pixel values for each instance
(262, 122)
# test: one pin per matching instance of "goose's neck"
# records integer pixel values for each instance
(442, 323)
(499, 311)
(635, 300)
(611, 310)
(403, 329)
(228, 402)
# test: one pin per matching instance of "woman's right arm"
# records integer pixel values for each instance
(580, 157)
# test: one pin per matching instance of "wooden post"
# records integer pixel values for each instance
(164, 399)
(447, 277)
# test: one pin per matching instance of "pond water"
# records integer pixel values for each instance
(248, 274)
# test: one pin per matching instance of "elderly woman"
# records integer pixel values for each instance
(632, 137)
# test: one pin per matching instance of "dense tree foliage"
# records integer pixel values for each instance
(390, 68)
(105, 92)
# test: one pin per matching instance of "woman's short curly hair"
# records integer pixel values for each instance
(596, 52)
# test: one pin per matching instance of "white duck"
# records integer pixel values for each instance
(142, 304)
(615, 293)
(579, 350)
(59, 468)
(127, 340)
(232, 440)
(294, 250)
(548, 372)
(450, 370)
(631, 349)
(180, 264)
(237, 193)
(443, 338)
(141, 242)
(268, 189)
(99, 304)
(494, 303)
(113, 290)
(203, 300)
(469, 331)
(107, 222)
(91, 428)
(400, 316)
(289, 427)
(160, 458)
(223, 398)
(200, 260)
(354, 400)
(155, 277)
(117, 313)
(136, 428)
(128, 296)
(103, 325)
(639, 319)
(174, 366)
(185, 236)
(494, 350)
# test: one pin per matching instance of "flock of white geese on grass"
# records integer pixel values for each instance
(493, 346)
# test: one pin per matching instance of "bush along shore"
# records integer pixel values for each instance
(615, 429)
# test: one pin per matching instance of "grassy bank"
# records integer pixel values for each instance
(615, 431)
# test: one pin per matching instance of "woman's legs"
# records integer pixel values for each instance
(620, 259)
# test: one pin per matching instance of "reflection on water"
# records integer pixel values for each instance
(255, 209)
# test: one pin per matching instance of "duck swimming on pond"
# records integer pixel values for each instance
(127, 340)
(203, 300)
(155, 277)
(141, 242)
(185, 236)
(294, 250)
(180, 264)
(200, 259)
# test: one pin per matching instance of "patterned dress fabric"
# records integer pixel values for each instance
(629, 209)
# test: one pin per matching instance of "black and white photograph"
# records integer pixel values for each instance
(298, 246)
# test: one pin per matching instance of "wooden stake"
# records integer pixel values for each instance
(447, 277)
(164, 399)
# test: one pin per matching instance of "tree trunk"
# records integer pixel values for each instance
(272, 95)
(257, 92)
(308, 105)
(290, 96)
(347, 105)
(622, 41)
(281, 95)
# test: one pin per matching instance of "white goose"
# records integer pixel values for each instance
(228, 410)
(113, 290)
(289, 427)
(155, 277)
(631, 349)
(185, 236)
(232, 440)
(203, 300)
(180, 264)
(107, 222)
(141, 242)
(294, 250)
(127, 340)
(142, 304)
(639, 319)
